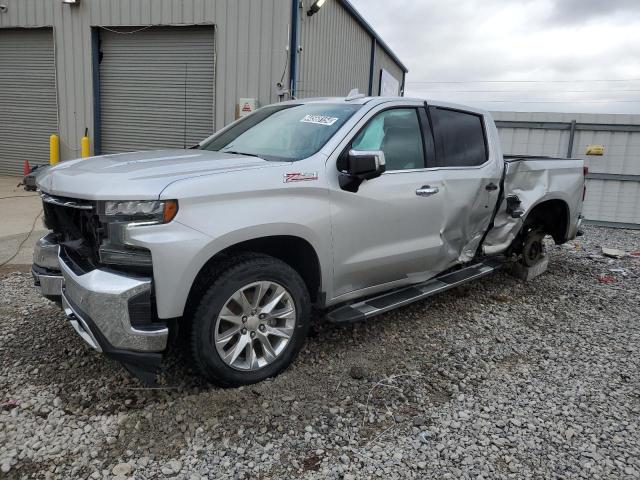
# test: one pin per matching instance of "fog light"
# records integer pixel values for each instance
(135, 257)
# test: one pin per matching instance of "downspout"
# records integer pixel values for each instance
(402, 86)
(372, 63)
(293, 47)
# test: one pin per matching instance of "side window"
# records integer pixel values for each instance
(459, 138)
(397, 133)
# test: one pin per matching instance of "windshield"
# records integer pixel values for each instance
(283, 132)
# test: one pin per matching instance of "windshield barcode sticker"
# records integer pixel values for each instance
(319, 120)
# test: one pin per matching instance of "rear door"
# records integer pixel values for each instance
(469, 169)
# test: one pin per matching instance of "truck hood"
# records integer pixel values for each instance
(139, 175)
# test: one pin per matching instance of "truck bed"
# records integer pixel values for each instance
(515, 158)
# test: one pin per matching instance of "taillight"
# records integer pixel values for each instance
(585, 172)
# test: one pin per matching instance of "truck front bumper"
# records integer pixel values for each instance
(45, 269)
(98, 304)
(104, 307)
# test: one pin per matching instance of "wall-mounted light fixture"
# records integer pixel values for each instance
(315, 6)
(3, 8)
(71, 2)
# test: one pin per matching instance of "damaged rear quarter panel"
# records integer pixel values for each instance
(535, 181)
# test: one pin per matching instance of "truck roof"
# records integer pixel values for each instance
(372, 101)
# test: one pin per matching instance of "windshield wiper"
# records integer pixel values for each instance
(235, 152)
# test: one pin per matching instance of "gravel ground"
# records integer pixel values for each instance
(497, 379)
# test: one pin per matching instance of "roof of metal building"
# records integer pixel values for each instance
(360, 19)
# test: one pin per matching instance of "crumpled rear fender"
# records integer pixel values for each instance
(536, 181)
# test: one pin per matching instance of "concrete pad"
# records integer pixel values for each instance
(9, 247)
(21, 211)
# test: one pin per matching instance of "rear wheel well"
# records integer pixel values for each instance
(294, 251)
(552, 216)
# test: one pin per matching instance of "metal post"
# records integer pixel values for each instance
(85, 145)
(54, 149)
(572, 132)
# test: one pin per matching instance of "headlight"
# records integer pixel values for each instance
(118, 216)
(156, 211)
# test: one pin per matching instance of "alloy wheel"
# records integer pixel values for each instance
(255, 325)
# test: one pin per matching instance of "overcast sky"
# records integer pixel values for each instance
(566, 41)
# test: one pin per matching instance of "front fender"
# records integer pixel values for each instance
(179, 252)
(239, 206)
(320, 245)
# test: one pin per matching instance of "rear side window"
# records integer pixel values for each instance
(459, 138)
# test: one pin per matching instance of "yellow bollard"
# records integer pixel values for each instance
(54, 149)
(85, 148)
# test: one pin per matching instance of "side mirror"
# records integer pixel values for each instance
(366, 164)
(357, 166)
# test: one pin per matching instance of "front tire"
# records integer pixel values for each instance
(251, 321)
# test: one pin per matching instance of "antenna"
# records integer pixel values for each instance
(186, 70)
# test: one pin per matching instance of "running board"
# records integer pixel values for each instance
(371, 307)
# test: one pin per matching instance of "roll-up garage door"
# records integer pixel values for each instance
(28, 108)
(156, 87)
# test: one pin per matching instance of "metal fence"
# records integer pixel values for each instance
(613, 185)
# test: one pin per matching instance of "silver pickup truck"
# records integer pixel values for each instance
(352, 205)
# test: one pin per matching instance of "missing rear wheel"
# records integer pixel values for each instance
(533, 247)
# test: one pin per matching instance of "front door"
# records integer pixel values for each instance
(388, 233)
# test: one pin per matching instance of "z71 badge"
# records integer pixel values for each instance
(300, 177)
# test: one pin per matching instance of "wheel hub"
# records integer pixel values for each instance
(253, 322)
(533, 249)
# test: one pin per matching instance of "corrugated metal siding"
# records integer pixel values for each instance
(156, 88)
(607, 200)
(616, 201)
(521, 141)
(28, 113)
(383, 60)
(251, 39)
(336, 53)
(621, 154)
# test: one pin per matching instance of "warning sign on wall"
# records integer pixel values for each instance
(246, 106)
(595, 150)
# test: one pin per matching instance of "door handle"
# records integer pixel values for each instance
(427, 191)
(491, 187)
